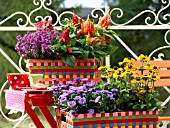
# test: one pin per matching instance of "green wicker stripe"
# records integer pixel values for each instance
(126, 117)
(147, 116)
(92, 67)
(85, 119)
(56, 67)
(140, 116)
(34, 67)
(111, 118)
(76, 120)
(49, 67)
(63, 67)
(102, 118)
(78, 67)
(85, 67)
(41, 67)
(119, 117)
(94, 119)
(154, 116)
(133, 117)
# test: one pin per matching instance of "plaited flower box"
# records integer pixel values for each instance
(58, 69)
(129, 119)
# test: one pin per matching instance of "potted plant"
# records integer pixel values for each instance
(128, 100)
(80, 46)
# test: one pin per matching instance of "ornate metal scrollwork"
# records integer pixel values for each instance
(156, 18)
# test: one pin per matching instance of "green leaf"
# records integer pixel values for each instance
(142, 106)
(152, 109)
(109, 36)
(159, 103)
(77, 48)
(72, 35)
(98, 59)
(72, 42)
(112, 49)
(101, 52)
(85, 55)
(69, 60)
(64, 48)
(82, 41)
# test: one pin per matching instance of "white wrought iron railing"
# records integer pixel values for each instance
(25, 24)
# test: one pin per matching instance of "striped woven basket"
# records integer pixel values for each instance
(58, 69)
(129, 119)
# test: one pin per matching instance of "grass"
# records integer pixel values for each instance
(27, 123)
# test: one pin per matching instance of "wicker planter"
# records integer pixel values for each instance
(58, 69)
(135, 119)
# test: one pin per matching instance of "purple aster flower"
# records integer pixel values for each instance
(81, 89)
(64, 95)
(77, 80)
(64, 91)
(105, 91)
(71, 91)
(97, 99)
(55, 91)
(114, 90)
(107, 84)
(90, 111)
(71, 104)
(111, 95)
(91, 90)
(70, 83)
(72, 88)
(91, 84)
(77, 97)
(82, 100)
(84, 80)
(63, 99)
(72, 112)
(84, 94)
(55, 81)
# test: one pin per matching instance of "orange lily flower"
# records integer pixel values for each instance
(88, 27)
(104, 21)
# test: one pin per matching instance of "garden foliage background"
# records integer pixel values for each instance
(140, 41)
